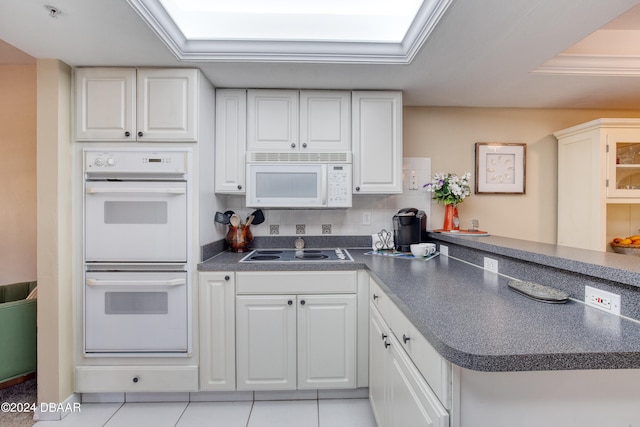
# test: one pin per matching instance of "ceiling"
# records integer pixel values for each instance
(490, 53)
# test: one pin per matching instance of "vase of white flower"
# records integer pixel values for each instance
(450, 190)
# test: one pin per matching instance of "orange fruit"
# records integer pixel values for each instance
(625, 242)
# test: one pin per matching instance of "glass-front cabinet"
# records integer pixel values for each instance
(623, 169)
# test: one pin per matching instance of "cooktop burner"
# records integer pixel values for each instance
(289, 255)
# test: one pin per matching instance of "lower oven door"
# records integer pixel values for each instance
(136, 312)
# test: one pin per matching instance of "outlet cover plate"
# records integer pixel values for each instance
(603, 300)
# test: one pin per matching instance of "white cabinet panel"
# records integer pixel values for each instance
(105, 104)
(326, 341)
(266, 342)
(325, 120)
(272, 120)
(231, 140)
(377, 142)
(217, 331)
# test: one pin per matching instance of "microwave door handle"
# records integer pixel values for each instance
(170, 282)
(163, 190)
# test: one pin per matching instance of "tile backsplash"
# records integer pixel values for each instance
(369, 213)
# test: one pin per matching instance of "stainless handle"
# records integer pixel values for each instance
(170, 282)
(137, 190)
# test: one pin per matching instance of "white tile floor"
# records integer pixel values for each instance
(286, 413)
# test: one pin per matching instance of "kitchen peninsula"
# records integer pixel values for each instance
(512, 358)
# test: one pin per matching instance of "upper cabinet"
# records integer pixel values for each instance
(377, 142)
(231, 140)
(272, 118)
(598, 169)
(325, 120)
(127, 104)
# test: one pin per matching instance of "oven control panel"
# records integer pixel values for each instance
(97, 161)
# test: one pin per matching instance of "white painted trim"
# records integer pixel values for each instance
(69, 405)
(598, 65)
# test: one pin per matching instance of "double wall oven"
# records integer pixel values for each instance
(136, 241)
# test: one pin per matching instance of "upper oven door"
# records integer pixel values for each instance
(136, 221)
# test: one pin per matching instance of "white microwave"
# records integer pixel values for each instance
(299, 185)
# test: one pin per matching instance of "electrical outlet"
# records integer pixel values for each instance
(444, 250)
(300, 228)
(326, 228)
(491, 264)
(274, 229)
(366, 218)
(602, 300)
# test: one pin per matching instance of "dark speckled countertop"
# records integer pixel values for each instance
(472, 318)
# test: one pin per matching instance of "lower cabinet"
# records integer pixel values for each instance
(217, 331)
(399, 394)
(296, 330)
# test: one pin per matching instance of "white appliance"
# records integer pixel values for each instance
(299, 181)
(136, 240)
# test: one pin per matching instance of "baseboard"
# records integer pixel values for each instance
(53, 411)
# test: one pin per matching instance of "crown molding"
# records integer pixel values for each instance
(595, 65)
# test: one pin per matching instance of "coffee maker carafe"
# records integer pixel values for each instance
(408, 225)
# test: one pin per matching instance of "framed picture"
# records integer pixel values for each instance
(500, 168)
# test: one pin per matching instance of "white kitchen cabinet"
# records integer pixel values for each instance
(296, 330)
(377, 142)
(325, 120)
(598, 172)
(217, 331)
(399, 395)
(128, 104)
(231, 140)
(272, 120)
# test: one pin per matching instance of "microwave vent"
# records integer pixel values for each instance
(297, 157)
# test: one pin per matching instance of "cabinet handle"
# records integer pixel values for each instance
(304, 145)
(386, 344)
(303, 302)
(405, 338)
(375, 297)
(135, 379)
(127, 134)
(289, 302)
(357, 188)
(140, 133)
(227, 278)
(293, 145)
(384, 336)
(239, 187)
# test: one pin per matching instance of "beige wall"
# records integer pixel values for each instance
(17, 173)
(55, 302)
(448, 137)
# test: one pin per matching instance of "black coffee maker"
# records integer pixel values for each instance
(408, 226)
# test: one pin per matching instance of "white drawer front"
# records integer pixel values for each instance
(298, 282)
(97, 379)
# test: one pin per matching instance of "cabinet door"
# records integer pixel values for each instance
(105, 104)
(377, 142)
(231, 140)
(266, 342)
(378, 354)
(325, 121)
(167, 104)
(217, 331)
(272, 120)
(623, 164)
(326, 341)
(410, 400)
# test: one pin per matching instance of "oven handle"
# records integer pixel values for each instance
(170, 282)
(164, 190)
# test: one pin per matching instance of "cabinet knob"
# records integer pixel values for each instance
(375, 297)
(384, 336)
(293, 145)
(127, 134)
(227, 278)
(386, 344)
(135, 379)
(140, 133)
(304, 145)
(239, 187)
(357, 188)
(303, 302)
(289, 302)
(405, 338)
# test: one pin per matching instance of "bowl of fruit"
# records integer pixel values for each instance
(629, 245)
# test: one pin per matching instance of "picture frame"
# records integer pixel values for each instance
(500, 168)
